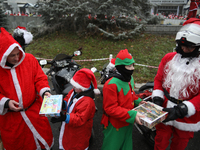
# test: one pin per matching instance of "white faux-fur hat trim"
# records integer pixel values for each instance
(83, 79)
(78, 86)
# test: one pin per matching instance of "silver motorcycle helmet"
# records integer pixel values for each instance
(189, 36)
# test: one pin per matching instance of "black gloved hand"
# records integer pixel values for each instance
(179, 111)
(158, 100)
(59, 119)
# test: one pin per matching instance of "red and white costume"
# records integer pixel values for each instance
(182, 81)
(76, 134)
(190, 93)
(76, 130)
(23, 130)
(194, 4)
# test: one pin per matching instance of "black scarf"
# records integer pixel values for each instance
(193, 54)
(9, 64)
(89, 93)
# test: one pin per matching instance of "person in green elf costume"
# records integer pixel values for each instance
(118, 101)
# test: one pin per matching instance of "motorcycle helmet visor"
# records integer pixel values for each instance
(183, 42)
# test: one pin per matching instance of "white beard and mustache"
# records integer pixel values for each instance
(182, 79)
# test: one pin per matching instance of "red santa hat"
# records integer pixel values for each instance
(7, 45)
(82, 80)
(192, 20)
(28, 37)
(112, 62)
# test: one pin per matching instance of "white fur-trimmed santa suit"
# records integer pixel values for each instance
(76, 134)
(182, 81)
(24, 130)
(179, 77)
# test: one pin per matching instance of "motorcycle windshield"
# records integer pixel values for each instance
(61, 57)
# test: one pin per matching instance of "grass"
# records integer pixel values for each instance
(146, 49)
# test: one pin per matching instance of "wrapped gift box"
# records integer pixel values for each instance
(153, 114)
(51, 106)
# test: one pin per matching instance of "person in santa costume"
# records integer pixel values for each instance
(79, 107)
(118, 101)
(194, 5)
(22, 85)
(177, 89)
(22, 36)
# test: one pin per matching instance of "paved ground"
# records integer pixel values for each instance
(139, 142)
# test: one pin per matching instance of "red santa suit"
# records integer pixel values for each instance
(23, 130)
(77, 132)
(182, 81)
(194, 4)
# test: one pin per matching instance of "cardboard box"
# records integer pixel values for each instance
(51, 106)
(153, 113)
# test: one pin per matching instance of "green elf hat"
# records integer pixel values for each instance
(124, 58)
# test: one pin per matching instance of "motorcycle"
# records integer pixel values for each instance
(144, 92)
(62, 69)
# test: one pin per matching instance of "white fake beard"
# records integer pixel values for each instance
(182, 79)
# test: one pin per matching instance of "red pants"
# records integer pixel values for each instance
(179, 140)
(192, 14)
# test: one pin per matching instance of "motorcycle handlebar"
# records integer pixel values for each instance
(50, 62)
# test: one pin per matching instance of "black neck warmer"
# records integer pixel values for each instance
(9, 64)
(89, 93)
(126, 74)
(193, 54)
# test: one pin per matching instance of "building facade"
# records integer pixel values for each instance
(159, 6)
(179, 7)
(20, 6)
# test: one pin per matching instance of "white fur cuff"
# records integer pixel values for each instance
(158, 93)
(191, 108)
(97, 91)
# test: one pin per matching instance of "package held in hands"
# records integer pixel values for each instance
(51, 106)
(153, 114)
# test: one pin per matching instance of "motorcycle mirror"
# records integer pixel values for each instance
(93, 69)
(43, 62)
(77, 53)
